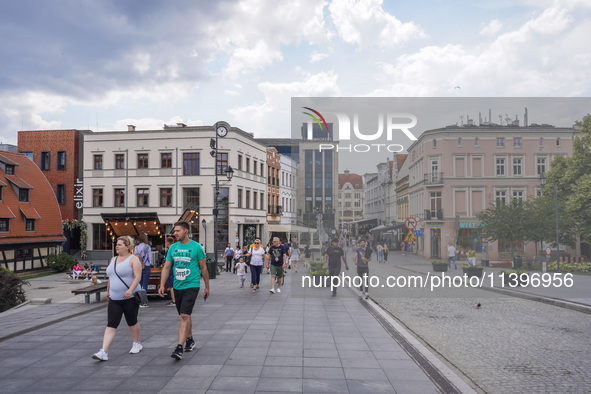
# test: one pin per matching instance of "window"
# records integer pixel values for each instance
(61, 160)
(97, 197)
(142, 197)
(254, 200)
(1, 190)
(357, 204)
(119, 197)
(166, 197)
(240, 162)
(9, 169)
(191, 198)
(459, 142)
(60, 194)
(239, 198)
(262, 204)
(191, 163)
(501, 197)
(247, 199)
(98, 162)
(23, 195)
(516, 142)
(247, 164)
(30, 224)
(541, 142)
(434, 143)
(254, 167)
(500, 167)
(518, 194)
(4, 225)
(166, 160)
(222, 163)
(142, 160)
(476, 141)
(262, 169)
(29, 155)
(119, 161)
(517, 166)
(557, 142)
(500, 142)
(44, 161)
(541, 165)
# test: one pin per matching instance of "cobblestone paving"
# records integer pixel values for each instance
(507, 345)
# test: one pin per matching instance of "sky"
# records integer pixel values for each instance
(102, 65)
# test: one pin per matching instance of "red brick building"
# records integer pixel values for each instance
(30, 221)
(57, 153)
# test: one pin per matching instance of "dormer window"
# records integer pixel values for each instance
(23, 195)
(9, 169)
(29, 224)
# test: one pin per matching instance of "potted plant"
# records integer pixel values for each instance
(439, 266)
(515, 278)
(473, 270)
(319, 272)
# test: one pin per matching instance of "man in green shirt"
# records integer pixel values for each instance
(188, 259)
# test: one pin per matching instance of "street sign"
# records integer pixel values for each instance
(410, 237)
(418, 233)
(410, 223)
(548, 251)
(417, 218)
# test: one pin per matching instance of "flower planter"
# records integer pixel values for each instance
(473, 271)
(440, 267)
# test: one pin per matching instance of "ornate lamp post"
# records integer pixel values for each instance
(543, 180)
(220, 132)
(204, 236)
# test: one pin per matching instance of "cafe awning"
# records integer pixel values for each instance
(132, 224)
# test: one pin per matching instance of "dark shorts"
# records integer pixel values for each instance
(118, 308)
(277, 270)
(185, 300)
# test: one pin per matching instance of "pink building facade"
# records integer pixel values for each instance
(456, 172)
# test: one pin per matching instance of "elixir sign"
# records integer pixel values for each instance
(79, 194)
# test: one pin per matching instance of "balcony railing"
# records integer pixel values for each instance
(433, 214)
(275, 210)
(434, 178)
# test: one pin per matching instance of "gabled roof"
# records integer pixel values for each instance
(42, 205)
(353, 179)
(6, 160)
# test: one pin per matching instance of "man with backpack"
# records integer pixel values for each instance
(144, 253)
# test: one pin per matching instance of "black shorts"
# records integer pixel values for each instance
(118, 308)
(185, 300)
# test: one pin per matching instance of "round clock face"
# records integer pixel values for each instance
(222, 131)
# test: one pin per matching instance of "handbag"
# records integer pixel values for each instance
(141, 296)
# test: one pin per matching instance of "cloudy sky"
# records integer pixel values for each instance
(102, 65)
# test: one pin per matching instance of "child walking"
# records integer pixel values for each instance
(241, 271)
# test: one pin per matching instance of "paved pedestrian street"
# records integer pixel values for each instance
(508, 344)
(245, 343)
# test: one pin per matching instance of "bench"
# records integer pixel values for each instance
(88, 290)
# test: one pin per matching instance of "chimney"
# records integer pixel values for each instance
(130, 127)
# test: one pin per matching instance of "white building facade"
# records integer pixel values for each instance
(145, 181)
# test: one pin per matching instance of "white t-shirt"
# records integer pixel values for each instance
(256, 258)
(451, 251)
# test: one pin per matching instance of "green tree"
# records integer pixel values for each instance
(572, 176)
(506, 223)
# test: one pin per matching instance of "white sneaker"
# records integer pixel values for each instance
(272, 291)
(278, 290)
(136, 348)
(101, 355)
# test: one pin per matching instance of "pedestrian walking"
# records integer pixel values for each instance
(333, 256)
(144, 252)
(361, 258)
(188, 259)
(451, 255)
(402, 246)
(307, 255)
(294, 257)
(256, 253)
(124, 273)
(170, 281)
(229, 253)
(278, 256)
(240, 268)
(380, 250)
(385, 251)
(237, 254)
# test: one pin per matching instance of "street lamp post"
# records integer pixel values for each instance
(543, 180)
(204, 236)
(221, 130)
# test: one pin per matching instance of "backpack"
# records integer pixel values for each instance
(143, 253)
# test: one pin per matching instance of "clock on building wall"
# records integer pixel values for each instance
(222, 131)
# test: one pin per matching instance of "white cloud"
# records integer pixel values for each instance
(316, 57)
(492, 28)
(365, 23)
(255, 58)
(276, 106)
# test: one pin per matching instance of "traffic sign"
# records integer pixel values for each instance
(410, 223)
(410, 237)
(418, 233)
(548, 250)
